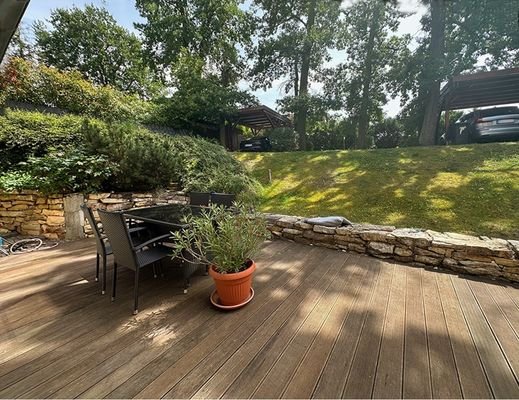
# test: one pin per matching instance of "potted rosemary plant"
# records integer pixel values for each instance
(226, 240)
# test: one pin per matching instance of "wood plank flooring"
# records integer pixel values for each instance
(323, 324)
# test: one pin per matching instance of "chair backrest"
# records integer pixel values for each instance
(223, 199)
(115, 228)
(89, 214)
(199, 198)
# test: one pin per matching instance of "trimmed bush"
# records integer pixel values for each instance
(24, 134)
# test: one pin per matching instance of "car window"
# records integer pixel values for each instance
(491, 112)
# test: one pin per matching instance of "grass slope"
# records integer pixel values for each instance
(468, 189)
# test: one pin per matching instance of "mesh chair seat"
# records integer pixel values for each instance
(152, 255)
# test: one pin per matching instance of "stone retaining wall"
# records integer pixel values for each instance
(59, 216)
(125, 201)
(481, 255)
(31, 213)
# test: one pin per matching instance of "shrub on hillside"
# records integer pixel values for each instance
(148, 160)
(65, 171)
(24, 134)
(387, 134)
(24, 81)
(283, 139)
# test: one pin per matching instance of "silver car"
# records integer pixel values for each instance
(490, 125)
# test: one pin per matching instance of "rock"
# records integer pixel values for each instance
(412, 237)
(114, 201)
(345, 230)
(377, 236)
(275, 228)
(57, 213)
(515, 246)
(506, 262)
(303, 225)
(380, 247)
(449, 262)
(12, 213)
(427, 260)
(5, 204)
(98, 196)
(290, 231)
(471, 244)
(356, 247)
(324, 229)
(287, 222)
(55, 201)
(18, 207)
(423, 252)
(442, 251)
(404, 259)
(371, 227)
(55, 220)
(302, 240)
(345, 239)
(403, 252)
(318, 237)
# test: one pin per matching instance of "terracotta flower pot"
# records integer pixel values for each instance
(234, 288)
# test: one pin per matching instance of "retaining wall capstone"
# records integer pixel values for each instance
(497, 258)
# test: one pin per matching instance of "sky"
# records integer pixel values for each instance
(125, 13)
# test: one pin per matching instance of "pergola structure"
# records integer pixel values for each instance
(11, 12)
(256, 118)
(480, 89)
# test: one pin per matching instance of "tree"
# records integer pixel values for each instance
(432, 72)
(91, 41)
(293, 39)
(211, 30)
(457, 36)
(199, 97)
(20, 45)
(359, 84)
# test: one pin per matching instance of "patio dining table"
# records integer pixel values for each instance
(168, 218)
(164, 218)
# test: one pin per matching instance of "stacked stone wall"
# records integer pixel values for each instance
(477, 255)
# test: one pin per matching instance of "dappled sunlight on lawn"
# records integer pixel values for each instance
(470, 189)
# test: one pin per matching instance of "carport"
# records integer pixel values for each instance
(479, 90)
(256, 118)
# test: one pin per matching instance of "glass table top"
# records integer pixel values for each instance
(171, 214)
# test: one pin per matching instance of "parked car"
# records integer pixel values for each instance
(261, 143)
(488, 125)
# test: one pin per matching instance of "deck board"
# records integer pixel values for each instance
(323, 324)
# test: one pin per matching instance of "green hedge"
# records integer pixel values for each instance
(71, 153)
(24, 134)
(24, 81)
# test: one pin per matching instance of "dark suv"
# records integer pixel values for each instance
(256, 144)
(489, 125)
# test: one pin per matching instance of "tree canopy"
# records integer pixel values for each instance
(90, 40)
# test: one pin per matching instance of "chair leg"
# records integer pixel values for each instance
(103, 288)
(161, 270)
(154, 270)
(114, 280)
(97, 268)
(136, 293)
(187, 285)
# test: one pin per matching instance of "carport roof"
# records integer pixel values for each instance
(260, 117)
(11, 12)
(481, 89)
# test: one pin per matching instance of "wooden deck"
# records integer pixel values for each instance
(323, 324)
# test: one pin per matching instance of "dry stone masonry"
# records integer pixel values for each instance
(60, 217)
(34, 214)
(481, 255)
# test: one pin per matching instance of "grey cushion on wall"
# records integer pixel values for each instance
(328, 221)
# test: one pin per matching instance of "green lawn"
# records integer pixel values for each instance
(468, 189)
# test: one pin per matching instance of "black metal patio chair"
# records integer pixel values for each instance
(128, 255)
(199, 198)
(103, 245)
(223, 199)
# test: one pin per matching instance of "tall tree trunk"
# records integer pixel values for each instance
(434, 65)
(296, 79)
(305, 71)
(364, 112)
